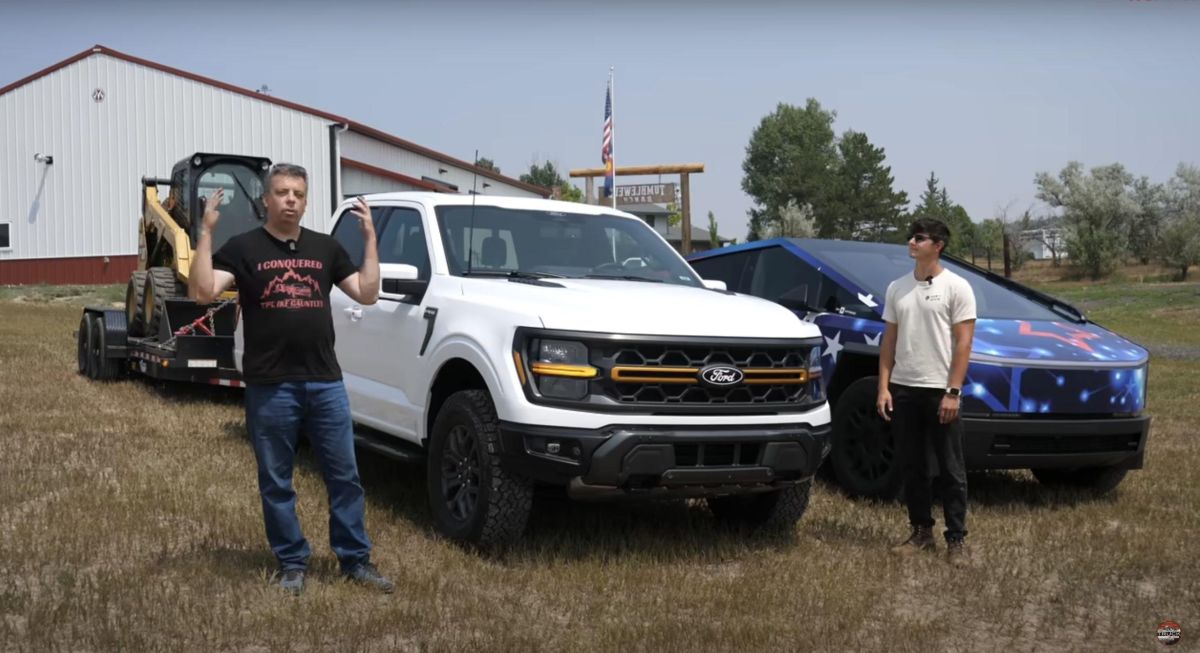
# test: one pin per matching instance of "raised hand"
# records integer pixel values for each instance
(212, 211)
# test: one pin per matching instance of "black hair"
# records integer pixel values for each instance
(934, 228)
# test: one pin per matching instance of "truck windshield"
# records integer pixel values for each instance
(239, 208)
(519, 242)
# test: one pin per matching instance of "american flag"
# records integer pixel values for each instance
(606, 148)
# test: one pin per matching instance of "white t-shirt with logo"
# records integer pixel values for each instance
(924, 312)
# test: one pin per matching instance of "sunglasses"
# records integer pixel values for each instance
(920, 238)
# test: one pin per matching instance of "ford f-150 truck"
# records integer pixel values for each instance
(520, 341)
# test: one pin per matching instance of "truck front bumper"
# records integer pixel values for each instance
(669, 461)
(997, 443)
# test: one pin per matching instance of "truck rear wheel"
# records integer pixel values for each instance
(777, 511)
(134, 296)
(1100, 480)
(159, 287)
(473, 500)
(865, 459)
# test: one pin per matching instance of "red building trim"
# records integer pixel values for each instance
(388, 174)
(354, 126)
(87, 270)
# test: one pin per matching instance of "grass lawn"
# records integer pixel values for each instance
(129, 520)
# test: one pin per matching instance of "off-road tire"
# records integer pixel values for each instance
(134, 296)
(772, 511)
(1098, 480)
(865, 457)
(464, 449)
(159, 287)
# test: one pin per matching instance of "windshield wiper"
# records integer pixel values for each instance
(512, 274)
(624, 277)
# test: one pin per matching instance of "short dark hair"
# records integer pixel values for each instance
(286, 170)
(932, 227)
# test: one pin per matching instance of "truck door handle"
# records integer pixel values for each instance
(355, 312)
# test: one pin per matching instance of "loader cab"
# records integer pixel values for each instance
(193, 181)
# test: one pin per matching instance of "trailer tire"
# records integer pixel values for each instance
(103, 367)
(83, 346)
(159, 287)
(134, 295)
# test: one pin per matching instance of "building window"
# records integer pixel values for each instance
(5, 243)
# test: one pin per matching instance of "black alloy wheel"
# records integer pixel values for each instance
(460, 474)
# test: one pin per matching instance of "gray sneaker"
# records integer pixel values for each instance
(290, 581)
(366, 574)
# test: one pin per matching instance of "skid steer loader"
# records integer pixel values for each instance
(161, 332)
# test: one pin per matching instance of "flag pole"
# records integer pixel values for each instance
(613, 147)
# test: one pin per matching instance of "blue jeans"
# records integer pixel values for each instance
(276, 414)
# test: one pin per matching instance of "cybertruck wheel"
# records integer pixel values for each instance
(773, 511)
(473, 500)
(1099, 480)
(864, 458)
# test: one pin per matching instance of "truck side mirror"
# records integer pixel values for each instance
(715, 284)
(399, 283)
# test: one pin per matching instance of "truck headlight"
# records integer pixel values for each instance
(816, 381)
(561, 368)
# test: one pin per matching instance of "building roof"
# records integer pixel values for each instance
(351, 124)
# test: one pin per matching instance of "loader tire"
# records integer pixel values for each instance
(160, 286)
(135, 292)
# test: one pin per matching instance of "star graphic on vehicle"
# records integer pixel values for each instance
(833, 346)
(874, 342)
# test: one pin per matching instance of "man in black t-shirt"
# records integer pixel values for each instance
(284, 274)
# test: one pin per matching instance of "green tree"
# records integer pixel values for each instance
(1180, 244)
(547, 176)
(488, 164)
(714, 241)
(861, 203)
(1097, 207)
(1146, 225)
(935, 203)
(794, 222)
(790, 158)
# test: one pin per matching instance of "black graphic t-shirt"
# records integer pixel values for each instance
(284, 295)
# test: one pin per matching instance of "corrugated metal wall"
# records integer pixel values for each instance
(384, 155)
(361, 182)
(88, 202)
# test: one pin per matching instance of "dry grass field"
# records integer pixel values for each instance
(129, 521)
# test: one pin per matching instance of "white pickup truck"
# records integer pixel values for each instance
(520, 341)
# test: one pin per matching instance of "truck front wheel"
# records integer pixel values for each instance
(777, 511)
(473, 500)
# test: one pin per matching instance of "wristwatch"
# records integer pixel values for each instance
(954, 392)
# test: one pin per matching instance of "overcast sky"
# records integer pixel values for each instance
(984, 94)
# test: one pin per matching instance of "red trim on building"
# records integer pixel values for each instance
(388, 174)
(56, 271)
(354, 126)
(413, 147)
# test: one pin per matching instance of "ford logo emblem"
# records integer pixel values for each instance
(721, 375)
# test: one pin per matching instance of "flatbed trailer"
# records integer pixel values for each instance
(194, 344)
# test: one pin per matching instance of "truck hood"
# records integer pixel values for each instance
(642, 308)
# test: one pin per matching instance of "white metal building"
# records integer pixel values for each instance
(77, 137)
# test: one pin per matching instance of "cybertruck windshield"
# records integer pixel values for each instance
(494, 241)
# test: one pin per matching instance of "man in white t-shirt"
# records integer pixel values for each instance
(930, 317)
